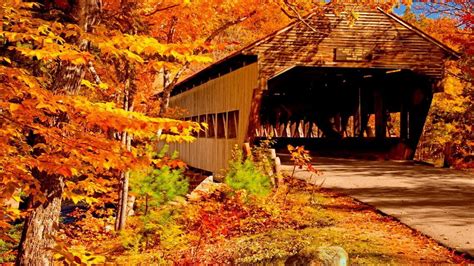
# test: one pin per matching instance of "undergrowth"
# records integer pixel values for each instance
(8, 244)
(235, 223)
(247, 175)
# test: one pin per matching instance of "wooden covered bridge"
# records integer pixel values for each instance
(343, 87)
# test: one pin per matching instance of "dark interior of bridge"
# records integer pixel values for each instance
(346, 111)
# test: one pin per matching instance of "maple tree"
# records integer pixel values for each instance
(57, 133)
(175, 29)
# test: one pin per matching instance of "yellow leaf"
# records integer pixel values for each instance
(14, 107)
(78, 61)
(32, 5)
(6, 59)
(16, 198)
(46, 106)
(134, 56)
(44, 29)
(75, 198)
(87, 83)
(107, 165)
(90, 200)
(103, 86)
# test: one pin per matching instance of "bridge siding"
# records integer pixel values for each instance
(230, 92)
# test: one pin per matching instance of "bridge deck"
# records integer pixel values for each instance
(437, 202)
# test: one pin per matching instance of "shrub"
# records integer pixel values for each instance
(159, 186)
(301, 159)
(245, 174)
(157, 228)
(155, 188)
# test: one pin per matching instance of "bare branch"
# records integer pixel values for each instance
(298, 15)
(287, 14)
(227, 25)
(158, 9)
(172, 30)
(166, 93)
(178, 74)
(94, 74)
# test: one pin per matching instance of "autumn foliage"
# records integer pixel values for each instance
(60, 130)
(448, 132)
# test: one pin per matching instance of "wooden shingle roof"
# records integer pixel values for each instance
(388, 40)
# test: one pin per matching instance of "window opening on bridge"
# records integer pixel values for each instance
(211, 122)
(194, 119)
(368, 130)
(393, 125)
(233, 121)
(221, 125)
(202, 132)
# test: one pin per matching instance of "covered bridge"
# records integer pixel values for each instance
(341, 87)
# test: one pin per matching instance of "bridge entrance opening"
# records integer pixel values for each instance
(348, 112)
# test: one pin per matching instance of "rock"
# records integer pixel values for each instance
(327, 256)
(333, 256)
(130, 204)
(206, 187)
(109, 228)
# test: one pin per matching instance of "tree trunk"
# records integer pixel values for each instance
(165, 98)
(129, 93)
(37, 238)
(69, 76)
(121, 218)
(130, 89)
(447, 155)
(168, 86)
(118, 212)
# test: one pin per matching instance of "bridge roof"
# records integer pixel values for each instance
(376, 39)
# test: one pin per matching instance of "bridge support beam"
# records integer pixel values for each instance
(380, 114)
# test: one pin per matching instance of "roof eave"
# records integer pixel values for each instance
(452, 53)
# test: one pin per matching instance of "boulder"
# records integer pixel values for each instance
(333, 256)
(327, 256)
(206, 189)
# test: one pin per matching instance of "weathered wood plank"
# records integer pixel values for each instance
(230, 92)
(392, 45)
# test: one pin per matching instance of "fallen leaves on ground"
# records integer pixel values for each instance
(229, 227)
